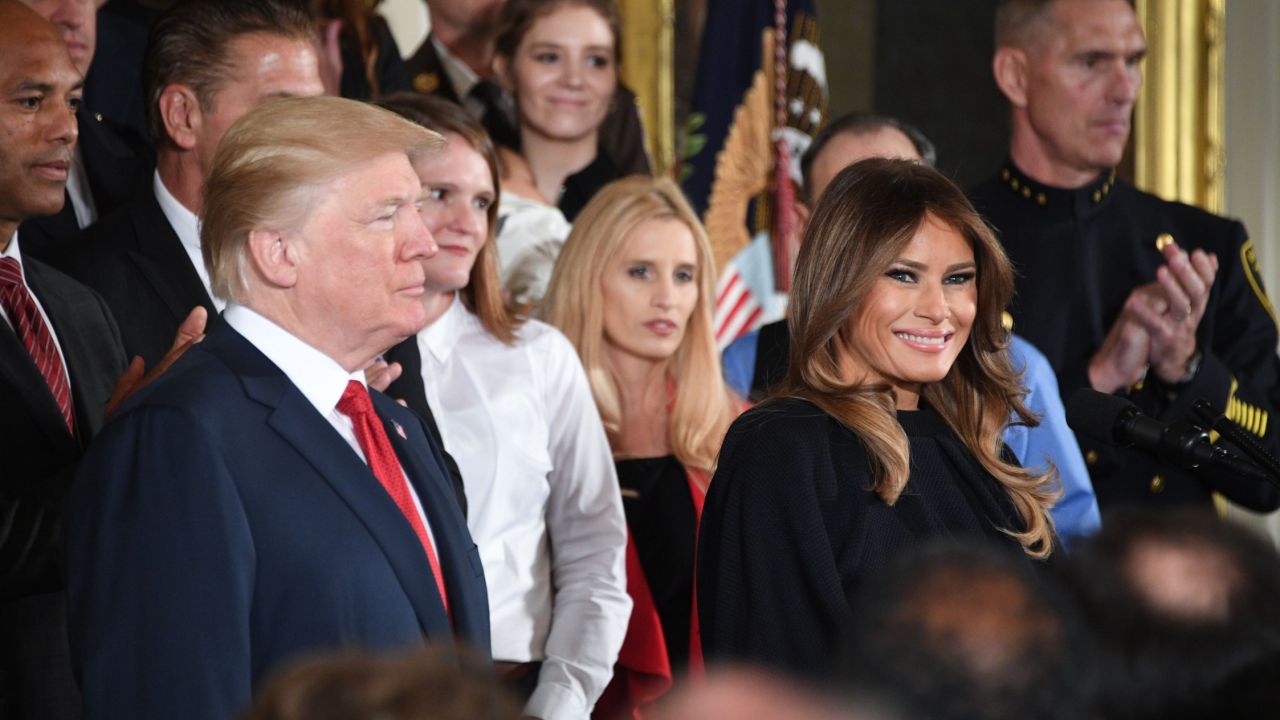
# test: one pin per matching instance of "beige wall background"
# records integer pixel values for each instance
(1252, 176)
(1253, 127)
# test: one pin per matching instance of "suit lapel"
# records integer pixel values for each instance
(460, 563)
(299, 425)
(164, 262)
(19, 370)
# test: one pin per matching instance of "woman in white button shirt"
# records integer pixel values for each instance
(516, 412)
(633, 291)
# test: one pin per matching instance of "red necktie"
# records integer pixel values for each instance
(357, 405)
(35, 335)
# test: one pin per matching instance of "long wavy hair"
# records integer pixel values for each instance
(483, 293)
(703, 404)
(866, 217)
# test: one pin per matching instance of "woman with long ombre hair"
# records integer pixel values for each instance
(887, 429)
(516, 413)
(633, 291)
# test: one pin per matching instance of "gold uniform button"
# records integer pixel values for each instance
(1163, 240)
(1042, 199)
(1091, 457)
(1157, 484)
(1014, 183)
(1097, 196)
(426, 83)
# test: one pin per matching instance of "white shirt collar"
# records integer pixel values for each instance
(460, 74)
(187, 227)
(12, 251)
(78, 190)
(319, 377)
(440, 337)
(184, 222)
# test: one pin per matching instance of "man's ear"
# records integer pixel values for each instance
(274, 257)
(501, 73)
(180, 111)
(1010, 69)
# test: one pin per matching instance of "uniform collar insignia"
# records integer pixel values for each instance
(1052, 198)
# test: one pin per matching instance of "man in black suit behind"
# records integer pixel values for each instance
(208, 63)
(111, 162)
(41, 439)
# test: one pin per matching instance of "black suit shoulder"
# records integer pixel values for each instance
(135, 260)
(426, 72)
(389, 70)
(118, 162)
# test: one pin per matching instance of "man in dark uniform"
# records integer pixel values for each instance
(1124, 292)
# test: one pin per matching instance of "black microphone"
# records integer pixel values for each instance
(1117, 421)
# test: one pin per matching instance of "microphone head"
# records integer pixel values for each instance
(1098, 415)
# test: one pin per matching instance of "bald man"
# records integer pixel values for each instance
(111, 162)
(60, 355)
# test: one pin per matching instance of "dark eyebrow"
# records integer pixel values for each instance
(30, 85)
(913, 265)
(558, 46)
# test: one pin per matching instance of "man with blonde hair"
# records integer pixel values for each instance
(258, 502)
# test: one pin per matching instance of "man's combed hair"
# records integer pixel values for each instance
(864, 219)
(1017, 21)
(190, 45)
(703, 405)
(858, 124)
(269, 164)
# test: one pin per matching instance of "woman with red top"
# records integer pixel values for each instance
(633, 292)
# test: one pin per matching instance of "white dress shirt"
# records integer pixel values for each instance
(187, 226)
(530, 236)
(460, 76)
(13, 252)
(319, 378)
(78, 190)
(542, 497)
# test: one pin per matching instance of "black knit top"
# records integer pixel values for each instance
(791, 528)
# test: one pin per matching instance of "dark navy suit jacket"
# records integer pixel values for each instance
(221, 527)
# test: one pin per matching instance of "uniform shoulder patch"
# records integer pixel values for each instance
(1253, 273)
